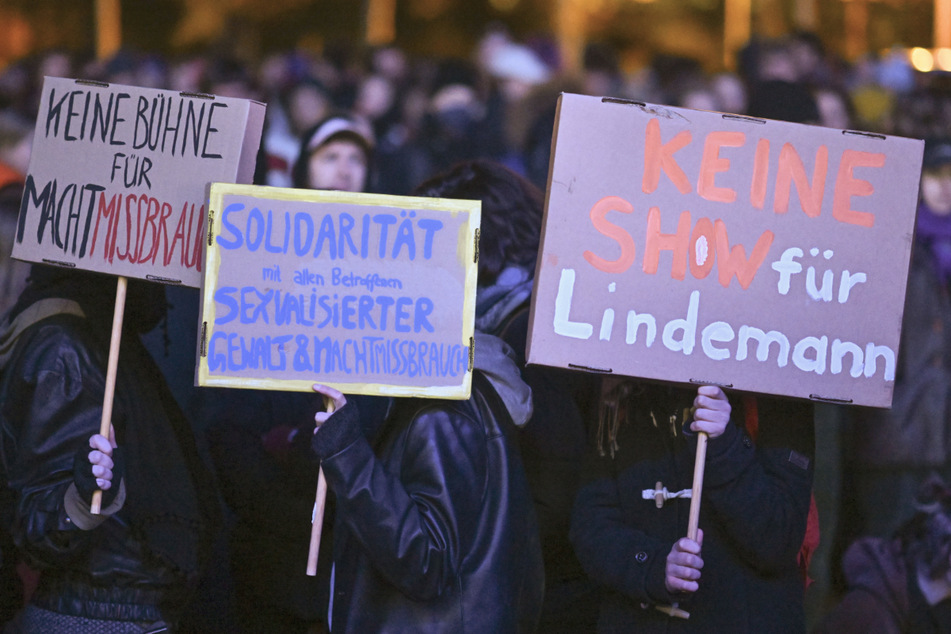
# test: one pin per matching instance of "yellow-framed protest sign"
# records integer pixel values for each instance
(368, 293)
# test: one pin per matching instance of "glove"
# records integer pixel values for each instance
(340, 430)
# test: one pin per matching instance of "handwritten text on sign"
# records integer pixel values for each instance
(119, 174)
(371, 293)
(702, 247)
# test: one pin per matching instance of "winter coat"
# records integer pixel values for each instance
(137, 563)
(435, 530)
(753, 512)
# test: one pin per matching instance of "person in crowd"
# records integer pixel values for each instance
(891, 451)
(629, 527)
(900, 583)
(552, 443)
(16, 139)
(260, 444)
(434, 529)
(134, 566)
(335, 154)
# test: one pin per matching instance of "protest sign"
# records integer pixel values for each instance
(702, 247)
(119, 176)
(368, 293)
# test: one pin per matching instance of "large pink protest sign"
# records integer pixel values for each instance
(700, 247)
(119, 176)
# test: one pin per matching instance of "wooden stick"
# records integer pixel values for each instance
(111, 370)
(693, 519)
(317, 521)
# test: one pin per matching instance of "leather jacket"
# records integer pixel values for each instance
(435, 529)
(51, 397)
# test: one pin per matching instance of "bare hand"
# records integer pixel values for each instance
(101, 458)
(684, 564)
(711, 411)
(334, 400)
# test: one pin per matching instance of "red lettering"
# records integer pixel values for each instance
(733, 261)
(660, 156)
(598, 218)
(108, 211)
(790, 169)
(676, 243)
(760, 174)
(706, 250)
(712, 163)
(846, 186)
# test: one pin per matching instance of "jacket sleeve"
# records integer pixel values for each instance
(611, 551)
(759, 492)
(414, 525)
(53, 405)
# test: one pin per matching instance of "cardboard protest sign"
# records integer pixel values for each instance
(701, 247)
(119, 176)
(368, 293)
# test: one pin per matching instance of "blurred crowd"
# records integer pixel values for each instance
(418, 116)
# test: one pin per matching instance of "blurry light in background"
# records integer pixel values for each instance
(943, 59)
(921, 59)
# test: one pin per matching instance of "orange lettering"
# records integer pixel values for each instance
(660, 156)
(733, 261)
(677, 243)
(846, 186)
(790, 169)
(712, 163)
(760, 174)
(618, 234)
(706, 250)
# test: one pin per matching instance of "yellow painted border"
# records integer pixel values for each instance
(466, 252)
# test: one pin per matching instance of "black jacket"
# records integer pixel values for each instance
(755, 502)
(140, 562)
(435, 530)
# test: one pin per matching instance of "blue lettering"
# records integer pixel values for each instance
(424, 308)
(223, 296)
(227, 226)
(302, 247)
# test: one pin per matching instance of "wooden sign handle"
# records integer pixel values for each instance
(111, 369)
(317, 521)
(693, 520)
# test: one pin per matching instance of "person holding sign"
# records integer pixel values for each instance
(552, 443)
(434, 528)
(133, 566)
(630, 520)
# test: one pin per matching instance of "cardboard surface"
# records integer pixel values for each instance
(698, 247)
(370, 294)
(119, 176)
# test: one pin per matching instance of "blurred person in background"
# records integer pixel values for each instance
(900, 583)
(335, 154)
(890, 452)
(260, 443)
(16, 139)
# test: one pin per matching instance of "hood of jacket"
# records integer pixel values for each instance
(495, 360)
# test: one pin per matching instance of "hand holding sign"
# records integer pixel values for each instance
(711, 414)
